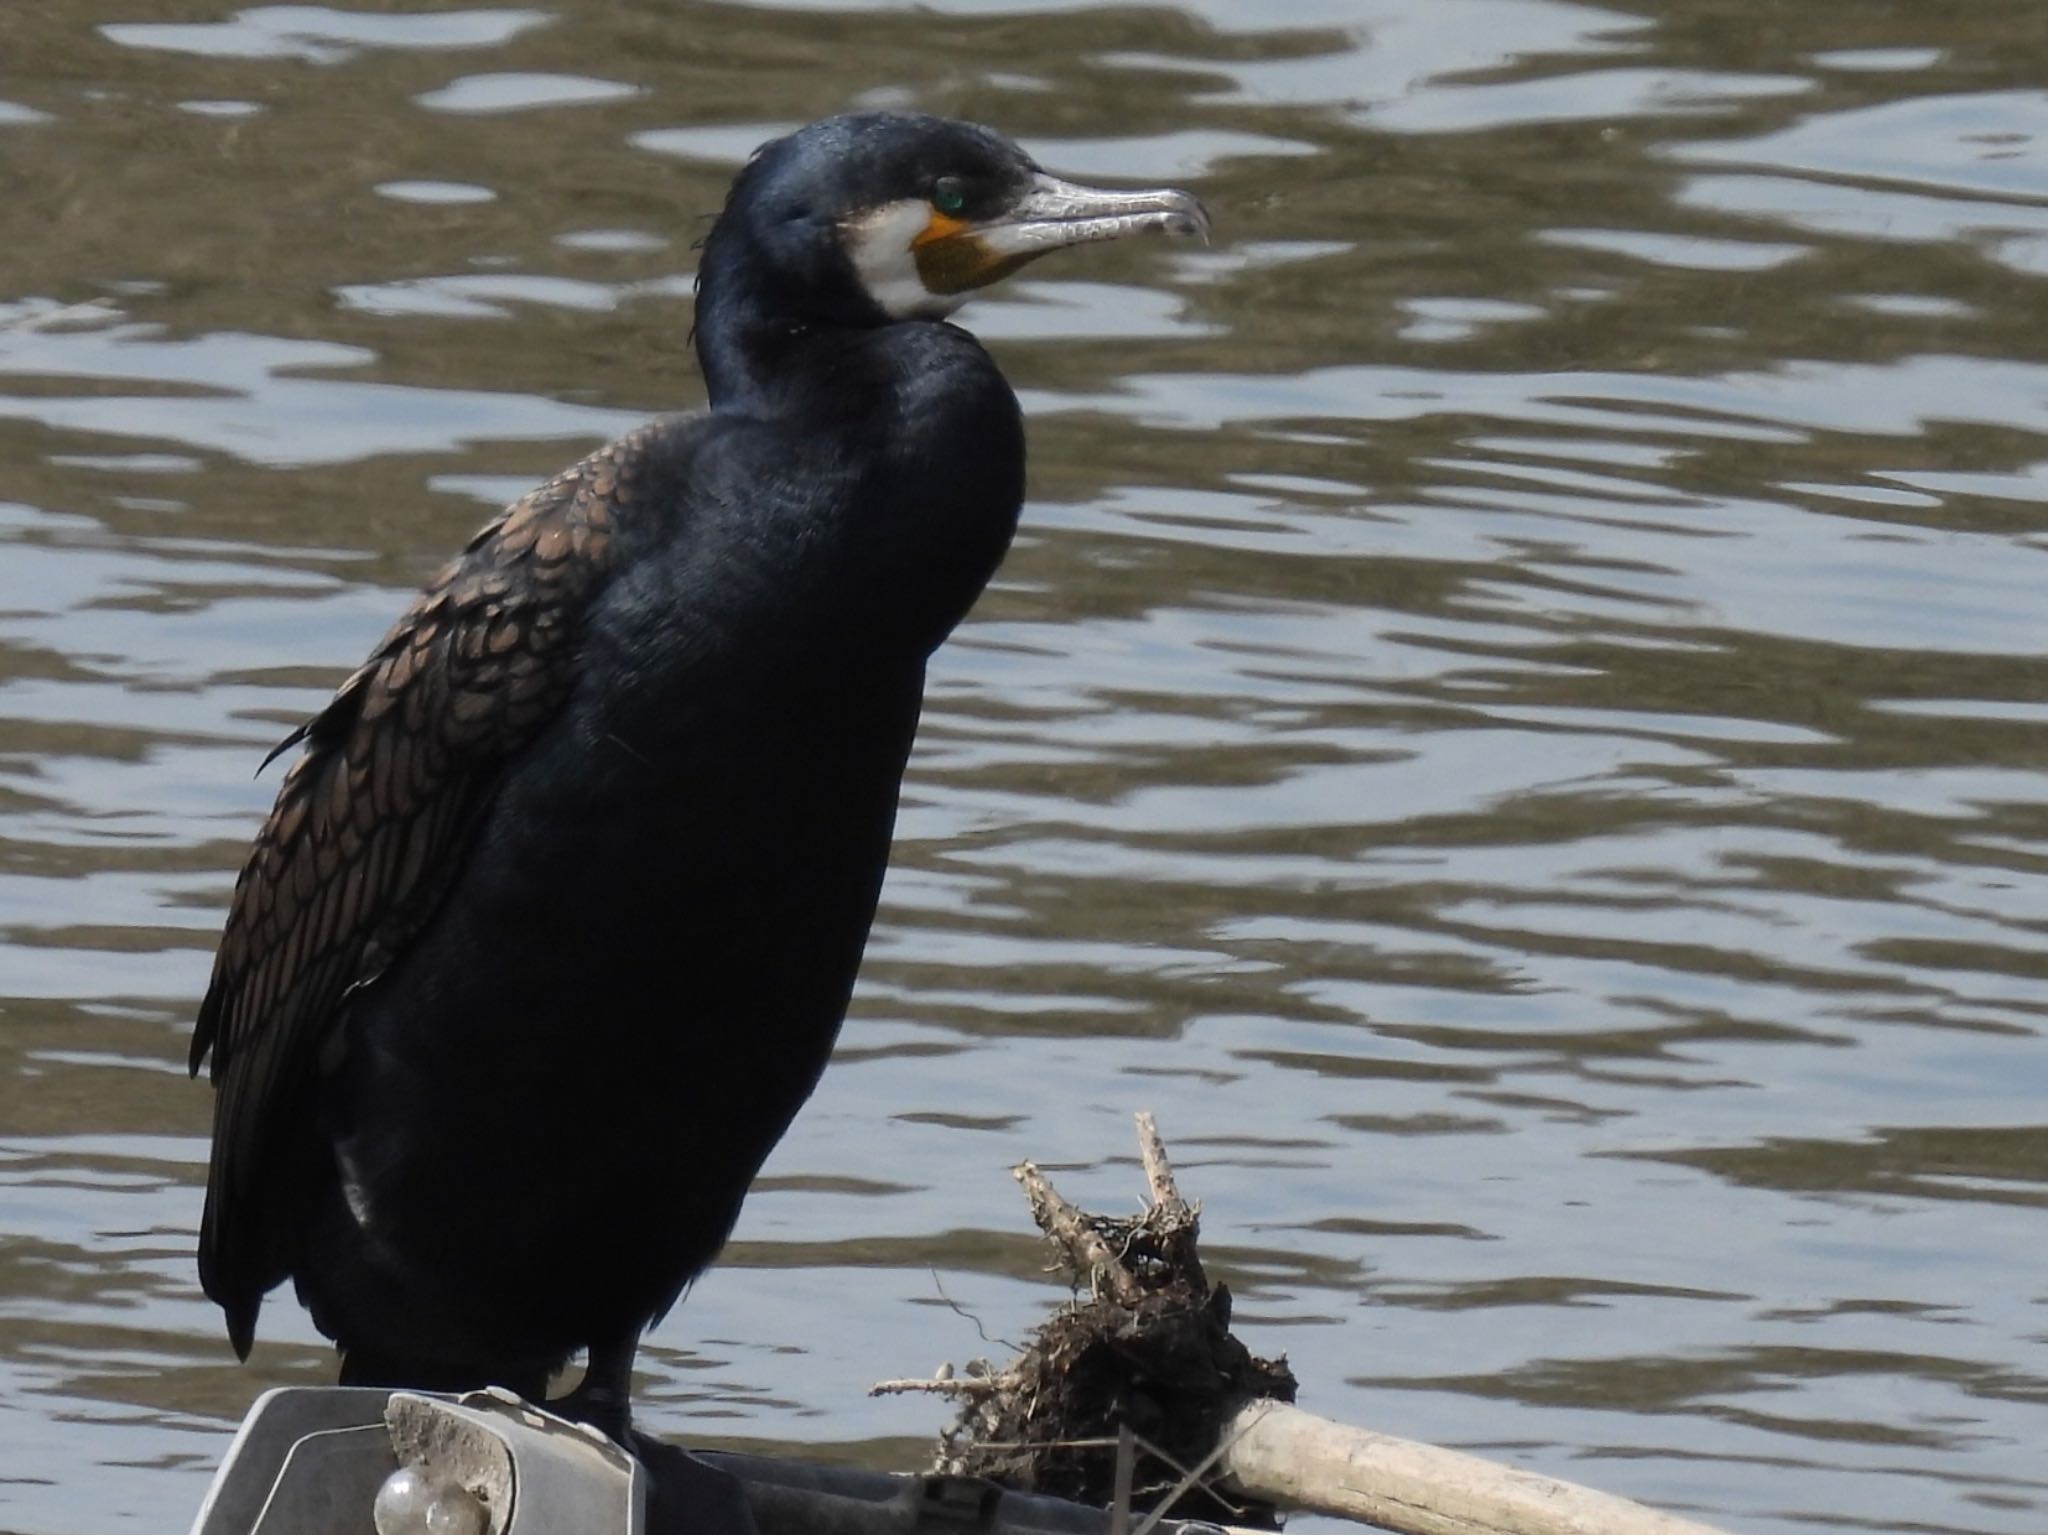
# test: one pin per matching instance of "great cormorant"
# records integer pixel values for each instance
(557, 914)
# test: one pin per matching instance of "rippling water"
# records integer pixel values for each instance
(1515, 724)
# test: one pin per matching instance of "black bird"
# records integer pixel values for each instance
(556, 917)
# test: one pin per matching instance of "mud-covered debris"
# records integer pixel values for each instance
(1146, 1345)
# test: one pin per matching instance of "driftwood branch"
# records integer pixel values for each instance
(1150, 1347)
(1295, 1459)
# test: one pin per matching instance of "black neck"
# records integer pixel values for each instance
(918, 430)
(758, 333)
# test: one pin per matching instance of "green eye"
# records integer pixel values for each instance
(948, 195)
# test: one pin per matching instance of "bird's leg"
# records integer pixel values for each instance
(604, 1397)
(685, 1496)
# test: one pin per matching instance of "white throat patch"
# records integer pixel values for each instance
(878, 245)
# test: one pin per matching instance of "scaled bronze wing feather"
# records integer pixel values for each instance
(367, 829)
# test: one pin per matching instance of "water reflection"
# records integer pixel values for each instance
(1512, 724)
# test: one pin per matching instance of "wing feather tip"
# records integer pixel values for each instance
(241, 1320)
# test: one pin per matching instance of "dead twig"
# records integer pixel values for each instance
(1158, 1171)
(943, 1385)
(1070, 1226)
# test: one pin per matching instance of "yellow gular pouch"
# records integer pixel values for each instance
(882, 245)
(952, 258)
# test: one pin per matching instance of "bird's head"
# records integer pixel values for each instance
(877, 217)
